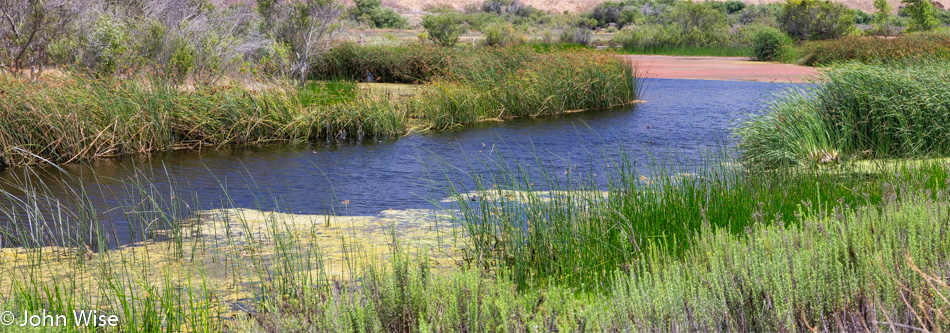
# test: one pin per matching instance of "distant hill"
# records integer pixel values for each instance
(419, 6)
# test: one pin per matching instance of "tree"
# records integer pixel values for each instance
(27, 28)
(815, 19)
(922, 15)
(883, 16)
(308, 27)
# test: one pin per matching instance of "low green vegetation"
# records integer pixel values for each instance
(374, 15)
(770, 44)
(820, 268)
(934, 45)
(549, 254)
(81, 118)
(860, 111)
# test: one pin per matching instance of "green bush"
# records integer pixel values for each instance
(373, 14)
(770, 44)
(861, 17)
(576, 35)
(502, 34)
(687, 24)
(181, 62)
(922, 15)
(106, 51)
(815, 19)
(445, 29)
(390, 64)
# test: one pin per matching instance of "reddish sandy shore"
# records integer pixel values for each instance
(720, 68)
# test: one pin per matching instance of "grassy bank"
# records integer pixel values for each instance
(909, 47)
(691, 51)
(65, 120)
(858, 251)
(859, 111)
(77, 118)
(853, 269)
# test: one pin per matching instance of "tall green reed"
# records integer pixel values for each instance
(76, 118)
(542, 226)
(858, 111)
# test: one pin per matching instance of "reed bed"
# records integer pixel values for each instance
(693, 51)
(408, 63)
(467, 86)
(73, 119)
(502, 84)
(859, 251)
(930, 45)
(76, 118)
(860, 111)
(847, 269)
(549, 227)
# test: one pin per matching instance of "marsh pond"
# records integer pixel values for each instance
(680, 119)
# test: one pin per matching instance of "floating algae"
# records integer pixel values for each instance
(223, 260)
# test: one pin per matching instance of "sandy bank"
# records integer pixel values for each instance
(720, 68)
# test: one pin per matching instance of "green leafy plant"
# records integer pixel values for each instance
(770, 44)
(502, 34)
(922, 15)
(815, 19)
(373, 14)
(445, 29)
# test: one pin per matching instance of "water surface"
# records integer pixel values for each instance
(365, 177)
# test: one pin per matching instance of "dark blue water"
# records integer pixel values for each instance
(683, 117)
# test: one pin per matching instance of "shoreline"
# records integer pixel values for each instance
(720, 68)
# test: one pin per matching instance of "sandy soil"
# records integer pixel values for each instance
(720, 68)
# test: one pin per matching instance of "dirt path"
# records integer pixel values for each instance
(721, 68)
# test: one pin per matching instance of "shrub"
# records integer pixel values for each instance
(698, 24)
(181, 62)
(606, 13)
(502, 34)
(575, 35)
(389, 64)
(445, 29)
(770, 44)
(922, 15)
(373, 14)
(815, 19)
(860, 17)
(728, 7)
(107, 46)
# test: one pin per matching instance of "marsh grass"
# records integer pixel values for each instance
(523, 83)
(909, 47)
(551, 227)
(876, 263)
(695, 51)
(77, 118)
(176, 273)
(658, 250)
(860, 111)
